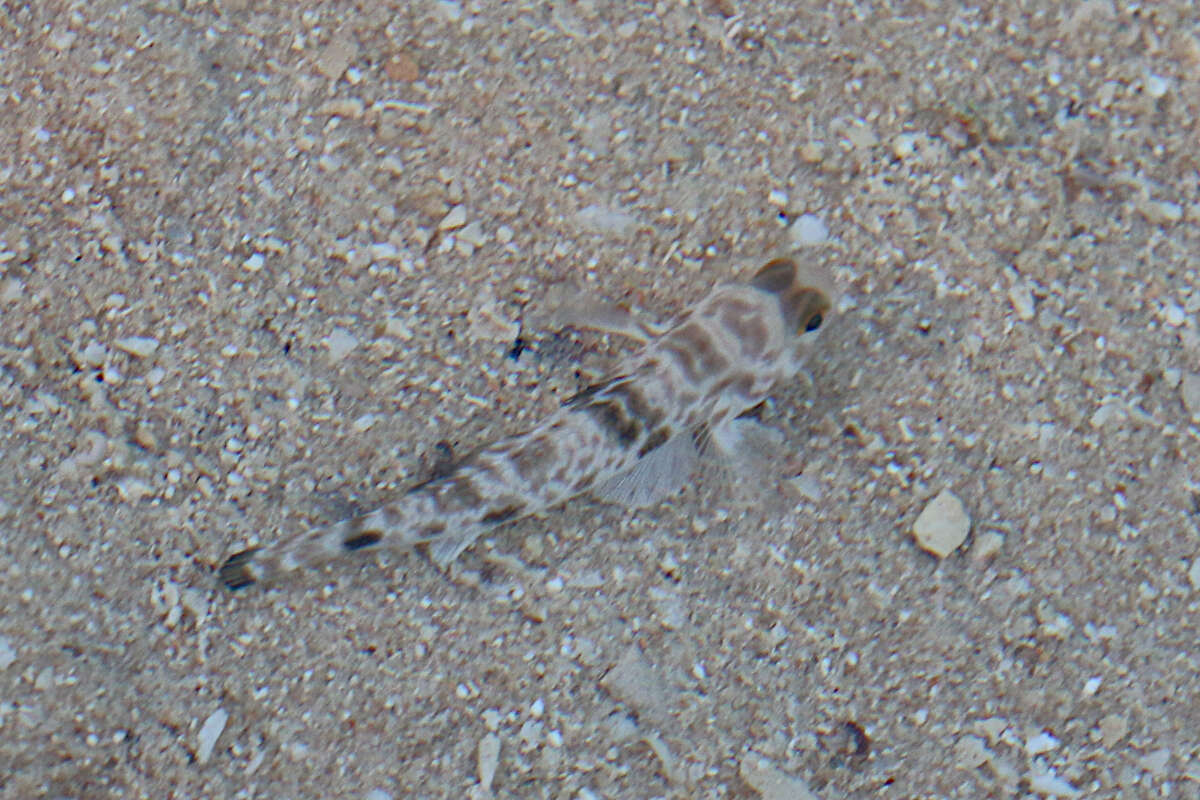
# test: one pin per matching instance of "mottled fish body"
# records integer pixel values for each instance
(630, 439)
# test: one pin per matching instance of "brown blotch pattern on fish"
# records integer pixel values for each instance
(749, 328)
(456, 494)
(431, 531)
(657, 438)
(704, 346)
(365, 539)
(611, 415)
(532, 459)
(499, 515)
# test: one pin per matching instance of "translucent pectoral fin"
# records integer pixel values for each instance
(743, 440)
(752, 459)
(657, 475)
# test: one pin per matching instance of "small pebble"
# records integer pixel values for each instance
(340, 342)
(598, 219)
(1021, 297)
(808, 230)
(1113, 729)
(488, 759)
(336, 57)
(94, 354)
(1194, 574)
(1157, 86)
(904, 145)
(1189, 388)
(209, 733)
(8, 654)
(636, 683)
(1050, 785)
(942, 526)
(456, 218)
(1155, 762)
(137, 346)
(1040, 743)
(770, 782)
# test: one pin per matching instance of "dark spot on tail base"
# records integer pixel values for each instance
(235, 573)
(500, 515)
(362, 540)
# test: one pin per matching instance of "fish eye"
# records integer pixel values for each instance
(813, 323)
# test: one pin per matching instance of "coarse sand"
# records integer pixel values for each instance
(266, 264)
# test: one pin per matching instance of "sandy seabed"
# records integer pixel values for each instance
(262, 263)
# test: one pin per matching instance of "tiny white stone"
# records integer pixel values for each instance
(1040, 743)
(971, 752)
(1189, 389)
(1174, 315)
(254, 263)
(1049, 784)
(777, 198)
(987, 545)
(598, 219)
(1091, 686)
(904, 145)
(94, 354)
(8, 654)
(1157, 86)
(473, 234)
(1155, 762)
(1194, 574)
(1021, 297)
(942, 526)
(340, 342)
(137, 346)
(770, 782)
(456, 218)
(383, 251)
(209, 732)
(377, 794)
(808, 230)
(451, 11)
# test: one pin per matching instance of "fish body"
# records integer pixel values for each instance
(631, 438)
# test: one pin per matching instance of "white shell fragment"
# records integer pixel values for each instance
(340, 342)
(488, 759)
(1021, 298)
(598, 219)
(137, 346)
(1050, 785)
(636, 683)
(808, 230)
(8, 654)
(1190, 390)
(943, 526)
(770, 782)
(209, 732)
(454, 219)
